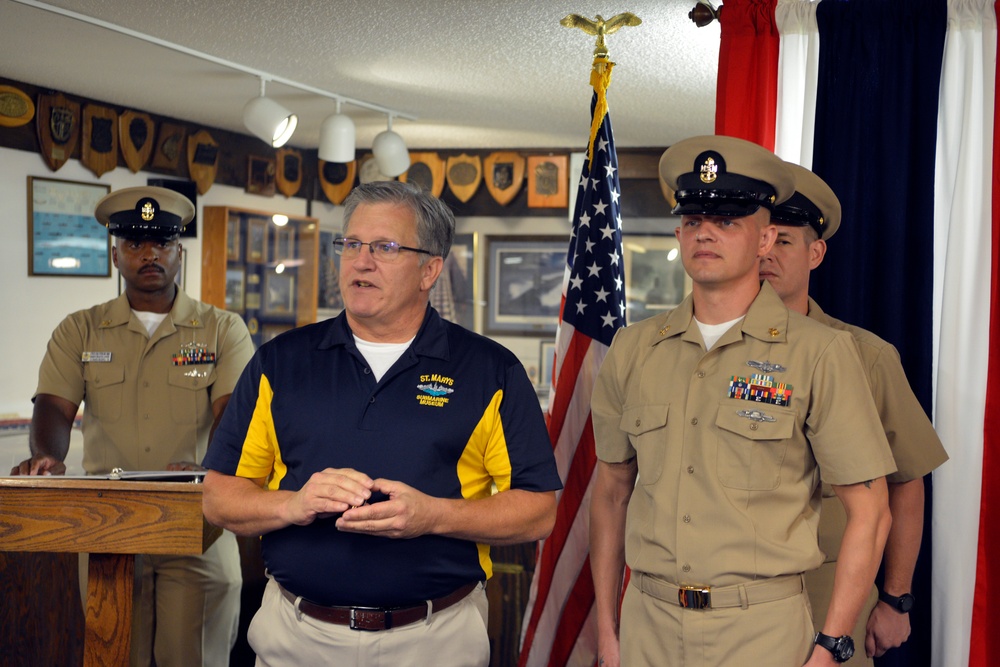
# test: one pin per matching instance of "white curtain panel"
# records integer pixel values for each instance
(962, 242)
(798, 67)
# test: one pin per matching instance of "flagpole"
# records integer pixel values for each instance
(559, 624)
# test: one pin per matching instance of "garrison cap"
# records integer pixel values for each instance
(144, 212)
(814, 203)
(726, 176)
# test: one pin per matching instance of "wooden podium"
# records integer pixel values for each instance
(112, 520)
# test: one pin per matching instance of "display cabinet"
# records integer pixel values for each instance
(264, 271)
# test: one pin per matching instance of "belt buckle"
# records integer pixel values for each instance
(366, 619)
(694, 597)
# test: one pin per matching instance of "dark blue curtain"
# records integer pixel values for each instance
(876, 116)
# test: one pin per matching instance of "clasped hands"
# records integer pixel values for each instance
(405, 513)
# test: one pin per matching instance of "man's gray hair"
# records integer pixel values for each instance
(435, 221)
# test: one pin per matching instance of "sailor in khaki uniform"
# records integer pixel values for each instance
(805, 222)
(712, 423)
(154, 370)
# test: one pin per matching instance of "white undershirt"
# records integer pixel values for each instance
(381, 356)
(150, 320)
(711, 333)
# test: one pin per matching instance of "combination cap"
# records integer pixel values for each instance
(814, 203)
(144, 212)
(725, 176)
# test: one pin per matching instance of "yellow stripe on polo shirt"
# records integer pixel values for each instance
(484, 462)
(261, 453)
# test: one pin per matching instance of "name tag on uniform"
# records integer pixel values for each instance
(95, 357)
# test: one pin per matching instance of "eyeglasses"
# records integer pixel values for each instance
(383, 251)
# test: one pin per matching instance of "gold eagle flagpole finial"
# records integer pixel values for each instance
(600, 27)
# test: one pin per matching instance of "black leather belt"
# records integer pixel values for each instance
(376, 618)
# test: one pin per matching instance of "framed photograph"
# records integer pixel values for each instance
(548, 181)
(655, 279)
(256, 240)
(279, 294)
(260, 176)
(64, 238)
(546, 361)
(329, 302)
(284, 243)
(453, 293)
(235, 289)
(233, 239)
(524, 284)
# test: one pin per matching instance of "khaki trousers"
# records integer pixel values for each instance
(454, 637)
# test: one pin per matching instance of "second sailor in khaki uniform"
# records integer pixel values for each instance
(712, 423)
(805, 222)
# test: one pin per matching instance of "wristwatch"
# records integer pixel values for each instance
(842, 648)
(902, 604)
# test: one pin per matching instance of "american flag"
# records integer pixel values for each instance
(560, 627)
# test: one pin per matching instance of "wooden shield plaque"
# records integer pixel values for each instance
(504, 175)
(337, 179)
(427, 171)
(464, 172)
(202, 159)
(58, 125)
(548, 184)
(16, 108)
(169, 146)
(100, 139)
(135, 134)
(288, 177)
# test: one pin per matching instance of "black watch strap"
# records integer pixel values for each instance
(902, 604)
(842, 648)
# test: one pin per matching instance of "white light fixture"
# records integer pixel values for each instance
(279, 219)
(390, 152)
(268, 120)
(336, 138)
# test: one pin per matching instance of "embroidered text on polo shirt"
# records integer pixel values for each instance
(435, 389)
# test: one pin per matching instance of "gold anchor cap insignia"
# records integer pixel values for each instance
(709, 171)
(774, 332)
(147, 211)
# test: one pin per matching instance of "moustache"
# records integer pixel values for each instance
(152, 267)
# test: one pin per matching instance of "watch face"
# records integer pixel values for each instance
(843, 650)
(905, 603)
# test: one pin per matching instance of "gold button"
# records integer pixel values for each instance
(753, 427)
(694, 421)
(690, 470)
(638, 422)
(686, 567)
(701, 374)
(687, 518)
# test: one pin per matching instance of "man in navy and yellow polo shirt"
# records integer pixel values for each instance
(366, 449)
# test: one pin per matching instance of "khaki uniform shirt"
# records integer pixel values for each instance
(141, 409)
(728, 489)
(915, 446)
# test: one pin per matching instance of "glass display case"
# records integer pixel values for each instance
(262, 266)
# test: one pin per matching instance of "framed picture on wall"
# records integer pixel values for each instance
(233, 239)
(655, 279)
(235, 289)
(64, 238)
(524, 284)
(453, 293)
(279, 294)
(546, 360)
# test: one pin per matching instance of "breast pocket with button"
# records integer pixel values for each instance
(646, 429)
(752, 447)
(104, 390)
(188, 387)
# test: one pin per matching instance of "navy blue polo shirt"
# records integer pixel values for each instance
(455, 414)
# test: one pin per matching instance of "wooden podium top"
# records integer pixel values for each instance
(102, 516)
